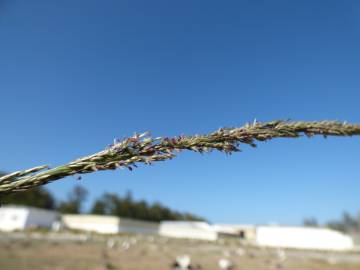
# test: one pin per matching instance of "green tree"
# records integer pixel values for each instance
(347, 223)
(74, 203)
(98, 208)
(350, 222)
(310, 222)
(336, 225)
(112, 204)
(105, 205)
(37, 197)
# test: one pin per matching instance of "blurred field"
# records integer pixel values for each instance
(56, 252)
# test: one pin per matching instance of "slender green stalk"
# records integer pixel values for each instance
(142, 148)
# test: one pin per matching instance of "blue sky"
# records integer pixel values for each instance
(74, 75)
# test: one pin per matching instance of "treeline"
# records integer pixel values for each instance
(107, 204)
(346, 223)
(112, 204)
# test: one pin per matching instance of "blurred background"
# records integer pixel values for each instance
(75, 75)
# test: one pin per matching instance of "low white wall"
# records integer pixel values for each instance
(108, 224)
(92, 223)
(40, 218)
(302, 238)
(12, 218)
(138, 226)
(189, 230)
(22, 217)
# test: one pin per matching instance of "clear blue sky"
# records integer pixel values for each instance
(76, 74)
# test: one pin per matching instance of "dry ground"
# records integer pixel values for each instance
(154, 253)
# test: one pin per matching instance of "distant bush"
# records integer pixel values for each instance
(107, 204)
(347, 223)
(37, 197)
(112, 204)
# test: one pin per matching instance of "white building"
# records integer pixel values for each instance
(14, 217)
(302, 238)
(188, 229)
(108, 224)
